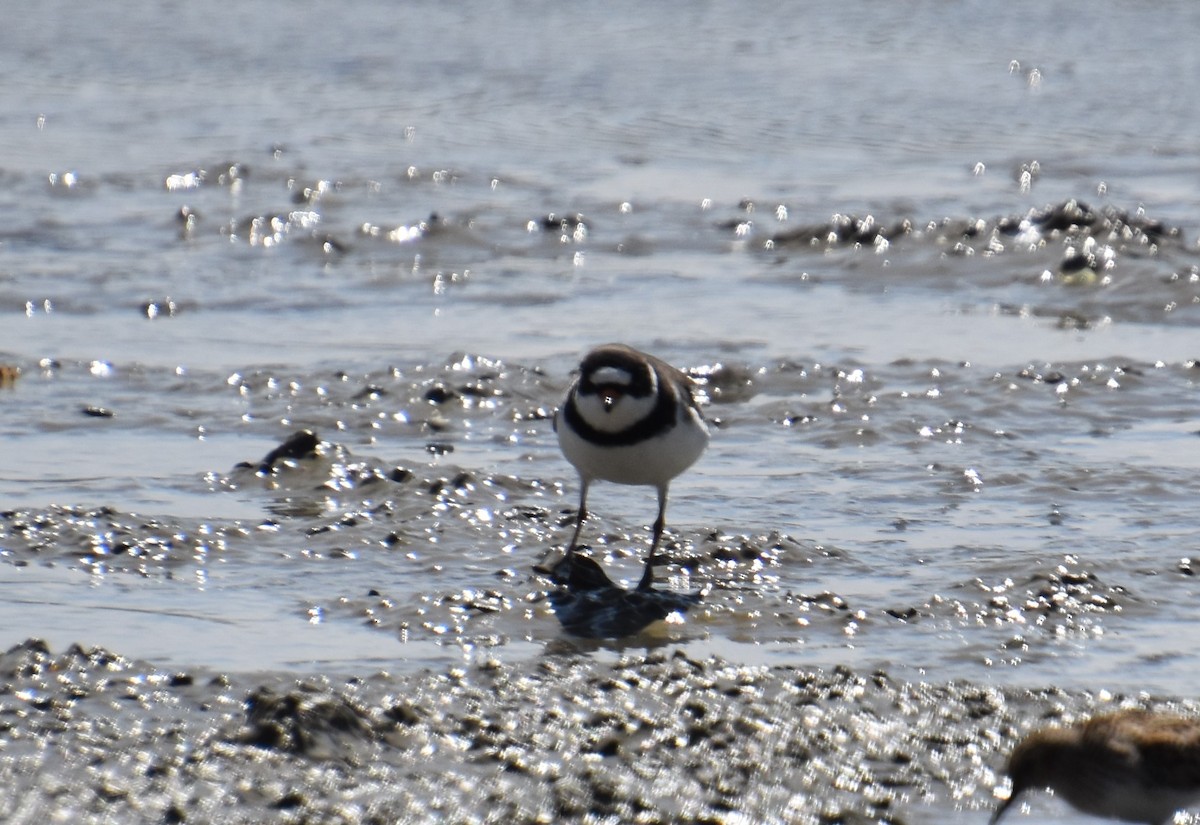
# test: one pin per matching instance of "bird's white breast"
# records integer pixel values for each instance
(654, 461)
(626, 413)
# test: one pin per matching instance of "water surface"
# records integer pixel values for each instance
(941, 449)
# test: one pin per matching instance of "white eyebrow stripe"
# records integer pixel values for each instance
(612, 375)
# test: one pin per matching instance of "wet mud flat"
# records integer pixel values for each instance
(651, 736)
(1050, 493)
(617, 732)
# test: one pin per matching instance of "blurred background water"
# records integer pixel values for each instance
(952, 452)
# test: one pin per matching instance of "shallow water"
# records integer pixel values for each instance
(940, 451)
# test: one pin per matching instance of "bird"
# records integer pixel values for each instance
(629, 418)
(1131, 765)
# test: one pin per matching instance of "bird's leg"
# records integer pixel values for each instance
(563, 565)
(580, 517)
(652, 558)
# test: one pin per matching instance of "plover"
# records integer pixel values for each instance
(1132, 765)
(629, 418)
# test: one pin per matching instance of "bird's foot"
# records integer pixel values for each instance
(655, 560)
(553, 559)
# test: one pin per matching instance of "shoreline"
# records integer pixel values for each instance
(655, 737)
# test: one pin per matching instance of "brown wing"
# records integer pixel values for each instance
(1164, 748)
(677, 377)
(1169, 749)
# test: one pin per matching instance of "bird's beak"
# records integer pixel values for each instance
(610, 398)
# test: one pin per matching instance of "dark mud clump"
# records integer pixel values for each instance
(654, 738)
(302, 444)
(1070, 219)
(1079, 263)
(588, 604)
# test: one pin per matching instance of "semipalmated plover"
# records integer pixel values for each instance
(629, 418)
(1133, 765)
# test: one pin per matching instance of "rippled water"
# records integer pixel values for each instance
(943, 448)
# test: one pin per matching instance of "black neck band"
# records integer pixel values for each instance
(660, 419)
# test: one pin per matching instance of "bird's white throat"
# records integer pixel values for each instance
(625, 413)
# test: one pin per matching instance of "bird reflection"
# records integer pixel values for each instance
(589, 604)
